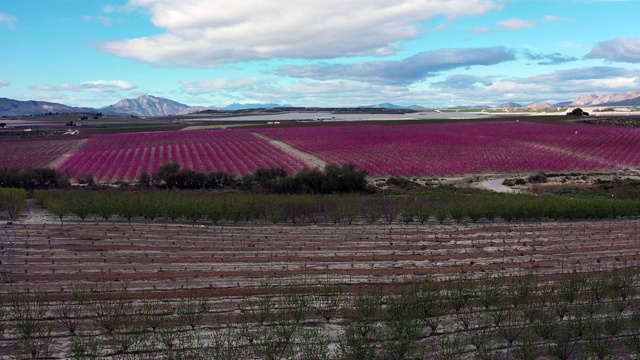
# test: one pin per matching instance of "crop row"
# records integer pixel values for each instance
(577, 316)
(462, 148)
(214, 207)
(127, 156)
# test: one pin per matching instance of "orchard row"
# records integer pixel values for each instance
(439, 205)
(576, 316)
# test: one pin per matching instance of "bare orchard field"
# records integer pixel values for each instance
(220, 269)
(163, 260)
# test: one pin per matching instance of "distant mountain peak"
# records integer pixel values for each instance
(147, 105)
(508, 105)
(538, 105)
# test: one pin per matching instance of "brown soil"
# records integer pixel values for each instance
(162, 260)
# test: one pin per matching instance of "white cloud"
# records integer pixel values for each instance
(459, 89)
(621, 49)
(570, 44)
(213, 32)
(327, 87)
(482, 30)
(568, 90)
(56, 98)
(96, 86)
(207, 86)
(515, 24)
(599, 1)
(388, 50)
(314, 93)
(8, 20)
(462, 88)
(345, 93)
(585, 80)
(410, 70)
(4, 83)
(555, 86)
(462, 82)
(101, 19)
(106, 85)
(550, 18)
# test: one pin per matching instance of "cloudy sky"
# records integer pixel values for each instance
(433, 53)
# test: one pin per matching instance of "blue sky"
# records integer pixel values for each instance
(433, 53)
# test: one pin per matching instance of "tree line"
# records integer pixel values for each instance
(333, 179)
(436, 206)
(33, 178)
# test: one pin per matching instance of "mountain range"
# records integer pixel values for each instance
(10, 107)
(631, 98)
(148, 105)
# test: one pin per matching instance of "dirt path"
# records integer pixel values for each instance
(309, 160)
(33, 214)
(55, 163)
(496, 186)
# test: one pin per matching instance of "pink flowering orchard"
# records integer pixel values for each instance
(445, 149)
(468, 148)
(126, 156)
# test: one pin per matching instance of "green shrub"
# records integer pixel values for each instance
(12, 201)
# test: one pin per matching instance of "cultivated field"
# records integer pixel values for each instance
(401, 274)
(35, 152)
(151, 290)
(126, 156)
(162, 259)
(467, 148)
(407, 150)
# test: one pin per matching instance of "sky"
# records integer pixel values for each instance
(433, 53)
